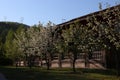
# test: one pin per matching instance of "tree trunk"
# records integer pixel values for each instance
(30, 64)
(41, 64)
(48, 61)
(48, 66)
(86, 60)
(26, 60)
(30, 61)
(73, 65)
(16, 62)
(59, 60)
(117, 63)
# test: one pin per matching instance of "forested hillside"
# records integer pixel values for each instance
(7, 30)
(6, 26)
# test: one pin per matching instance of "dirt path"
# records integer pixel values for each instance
(2, 77)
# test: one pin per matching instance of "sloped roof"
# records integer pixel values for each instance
(84, 17)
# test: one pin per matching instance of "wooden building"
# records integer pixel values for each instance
(100, 59)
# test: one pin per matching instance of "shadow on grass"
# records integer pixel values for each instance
(12, 73)
(99, 71)
(23, 73)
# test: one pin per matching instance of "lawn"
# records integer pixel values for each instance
(11, 73)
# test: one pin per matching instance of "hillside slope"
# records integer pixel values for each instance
(6, 26)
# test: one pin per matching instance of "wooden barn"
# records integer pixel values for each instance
(100, 59)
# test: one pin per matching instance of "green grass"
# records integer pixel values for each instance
(11, 73)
